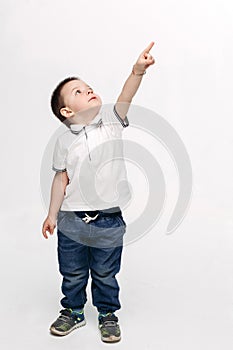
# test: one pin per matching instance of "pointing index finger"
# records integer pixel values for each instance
(149, 47)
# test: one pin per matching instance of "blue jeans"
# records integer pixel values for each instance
(94, 248)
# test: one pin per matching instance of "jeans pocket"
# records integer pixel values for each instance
(60, 217)
(120, 220)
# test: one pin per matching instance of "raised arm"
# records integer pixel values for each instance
(133, 81)
(58, 188)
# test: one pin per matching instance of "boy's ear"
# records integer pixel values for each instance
(66, 112)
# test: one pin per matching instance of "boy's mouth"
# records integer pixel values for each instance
(92, 98)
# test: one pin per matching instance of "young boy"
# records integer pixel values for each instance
(90, 226)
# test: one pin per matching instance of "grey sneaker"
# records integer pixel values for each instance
(109, 328)
(67, 322)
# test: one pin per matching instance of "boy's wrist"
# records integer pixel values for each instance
(136, 71)
(52, 216)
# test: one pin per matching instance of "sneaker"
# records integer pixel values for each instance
(109, 328)
(67, 322)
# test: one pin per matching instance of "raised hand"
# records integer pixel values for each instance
(144, 60)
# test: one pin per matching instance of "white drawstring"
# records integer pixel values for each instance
(88, 218)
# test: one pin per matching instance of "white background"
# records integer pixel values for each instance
(177, 290)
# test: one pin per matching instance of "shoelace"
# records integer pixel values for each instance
(65, 316)
(109, 320)
(109, 323)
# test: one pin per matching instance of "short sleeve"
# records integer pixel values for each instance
(111, 118)
(59, 157)
(124, 122)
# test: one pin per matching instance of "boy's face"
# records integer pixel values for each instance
(78, 96)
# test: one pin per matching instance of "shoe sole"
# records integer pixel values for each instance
(78, 325)
(111, 339)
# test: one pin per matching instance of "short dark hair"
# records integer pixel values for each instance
(57, 101)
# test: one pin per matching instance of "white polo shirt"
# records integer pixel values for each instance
(93, 157)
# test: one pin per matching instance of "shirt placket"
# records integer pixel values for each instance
(88, 150)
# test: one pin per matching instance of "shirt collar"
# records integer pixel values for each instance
(76, 128)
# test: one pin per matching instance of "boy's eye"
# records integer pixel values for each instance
(78, 91)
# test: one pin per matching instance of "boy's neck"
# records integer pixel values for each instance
(85, 117)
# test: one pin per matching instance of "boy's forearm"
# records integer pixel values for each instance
(57, 195)
(130, 88)
(128, 91)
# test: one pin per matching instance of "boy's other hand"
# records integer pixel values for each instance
(48, 225)
(144, 60)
